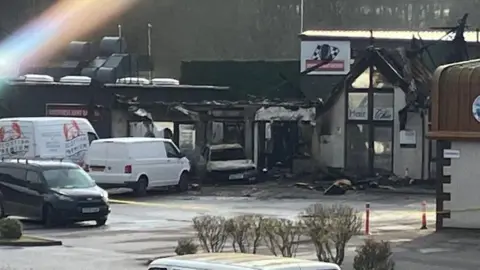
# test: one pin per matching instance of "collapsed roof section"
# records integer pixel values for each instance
(408, 72)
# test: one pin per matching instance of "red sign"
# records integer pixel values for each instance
(69, 110)
(335, 65)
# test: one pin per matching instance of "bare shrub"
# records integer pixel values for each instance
(317, 227)
(246, 232)
(373, 255)
(10, 229)
(282, 236)
(330, 229)
(211, 232)
(186, 246)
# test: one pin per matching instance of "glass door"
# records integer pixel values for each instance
(382, 148)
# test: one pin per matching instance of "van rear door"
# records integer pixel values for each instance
(117, 158)
(97, 156)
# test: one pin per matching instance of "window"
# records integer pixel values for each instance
(357, 106)
(92, 137)
(227, 154)
(68, 178)
(33, 177)
(171, 150)
(14, 176)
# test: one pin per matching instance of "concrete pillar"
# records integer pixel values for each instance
(249, 138)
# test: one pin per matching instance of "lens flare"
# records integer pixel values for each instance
(65, 21)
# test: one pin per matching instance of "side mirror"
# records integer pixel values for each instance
(181, 155)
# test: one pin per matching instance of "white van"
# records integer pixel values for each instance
(237, 261)
(137, 163)
(46, 138)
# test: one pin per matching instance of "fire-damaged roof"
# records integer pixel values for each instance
(470, 36)
(401, 69)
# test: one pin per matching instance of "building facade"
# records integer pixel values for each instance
(376, 113)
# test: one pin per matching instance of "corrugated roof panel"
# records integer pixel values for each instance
(470, 36)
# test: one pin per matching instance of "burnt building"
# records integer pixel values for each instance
(375, 89)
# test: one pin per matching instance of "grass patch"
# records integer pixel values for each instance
(29, 241)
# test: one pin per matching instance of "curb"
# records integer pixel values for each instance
(397, 191)
(38, 242)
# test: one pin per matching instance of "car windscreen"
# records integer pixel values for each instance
(227, 154)
(68, 178)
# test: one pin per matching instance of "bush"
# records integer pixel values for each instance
(246, 232)
(330, 229)
(10, 228)
(211, 232)
(186, 246)
(282, 236)
(374, 255)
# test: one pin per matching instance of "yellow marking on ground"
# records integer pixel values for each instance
(150, 204)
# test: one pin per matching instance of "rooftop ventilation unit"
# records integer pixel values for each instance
(84, 80)
(133, 80)
(36, 78)
(165, 81)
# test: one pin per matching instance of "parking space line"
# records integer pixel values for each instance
(149, 204)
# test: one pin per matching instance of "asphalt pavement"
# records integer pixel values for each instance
(142, 229)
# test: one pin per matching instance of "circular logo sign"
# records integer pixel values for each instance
(476, 109)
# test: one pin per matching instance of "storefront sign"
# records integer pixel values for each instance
(336, 53)
(476, 109)
(359, 113)
(68, 110)
(408, 138)
(383, 114)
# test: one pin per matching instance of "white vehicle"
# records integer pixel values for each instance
(137, 163)
(237, 261)
(228, 162)
(46, 138)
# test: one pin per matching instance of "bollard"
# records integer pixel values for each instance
(424, 216)
(367, 219)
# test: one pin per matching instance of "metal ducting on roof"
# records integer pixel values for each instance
(91, 69)
(165, 81)
(83, 80)
(36, 78)
(112, 45)
(133, 80)
(117, 65)
(79, 50)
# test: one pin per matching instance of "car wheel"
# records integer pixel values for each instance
(101, 222)
(183, 183)
(49, 218)
(141, 188)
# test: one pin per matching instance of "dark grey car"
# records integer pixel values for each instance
(54, 192)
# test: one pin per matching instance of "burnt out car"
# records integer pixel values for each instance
(228, 163)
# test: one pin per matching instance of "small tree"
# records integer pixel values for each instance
(246, 232)
(330, 229)
(374, 255)
(211, 232)
(282, 236)
(10, 228)
(186, 246)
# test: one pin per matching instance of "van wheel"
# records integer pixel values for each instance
(49, 219)
(141, 188)
(182, 183)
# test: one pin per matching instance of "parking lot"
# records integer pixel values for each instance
(140, 229)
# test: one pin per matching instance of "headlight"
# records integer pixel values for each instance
(105, 195)
(64, 198)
